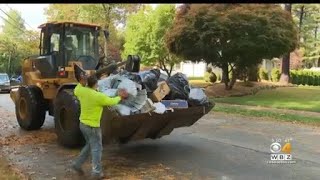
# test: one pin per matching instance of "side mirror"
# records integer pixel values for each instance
(106, 34)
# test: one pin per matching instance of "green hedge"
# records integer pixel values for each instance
(275, 74)
(299, 77)
(305, 77)
(263, 74)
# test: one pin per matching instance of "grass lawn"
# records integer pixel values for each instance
(199, 83)
(311, 120)
(295, 98)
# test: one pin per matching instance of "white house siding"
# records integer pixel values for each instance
(192, 69)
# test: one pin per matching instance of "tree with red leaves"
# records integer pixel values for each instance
(231, 36)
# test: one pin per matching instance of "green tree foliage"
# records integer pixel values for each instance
(234, 35)
(14, 26)
(307, 18)
(145, 36)
(16, 43)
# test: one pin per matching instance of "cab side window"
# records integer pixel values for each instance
(54, 42)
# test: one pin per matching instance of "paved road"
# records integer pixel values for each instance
(218, 146)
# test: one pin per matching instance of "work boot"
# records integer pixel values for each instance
(98, 177)
(79, 171)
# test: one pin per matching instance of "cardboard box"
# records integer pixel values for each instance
(175, 104)
(162, 90)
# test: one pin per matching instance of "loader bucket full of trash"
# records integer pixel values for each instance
(155, 106)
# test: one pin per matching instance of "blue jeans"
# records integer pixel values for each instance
(93, 139)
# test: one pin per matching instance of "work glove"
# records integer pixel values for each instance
(83, 79)
(123, 94)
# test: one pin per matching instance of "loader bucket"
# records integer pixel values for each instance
(147, 125)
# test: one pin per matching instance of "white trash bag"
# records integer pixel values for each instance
(105, 83)
(123, 110)
(111, 92)
(160, 108)
(128, 85)
(197, 97)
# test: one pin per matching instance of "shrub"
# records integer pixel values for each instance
(209, 69)
(210, 77)
(305, 77)
(213, 77)
(263, 74)
(275, 75)
(206, 76)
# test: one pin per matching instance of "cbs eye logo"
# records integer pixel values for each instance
(275, 147)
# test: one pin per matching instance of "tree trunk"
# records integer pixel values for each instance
(235, 74)
(253, 73)
(285, 67)
(163, 67)
(225, 75)
(233, 80)
(300, 23)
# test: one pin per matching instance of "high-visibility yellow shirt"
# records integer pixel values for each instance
(92, 103)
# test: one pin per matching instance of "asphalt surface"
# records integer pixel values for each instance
(218, 146)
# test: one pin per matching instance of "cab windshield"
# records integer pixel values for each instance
(81, 45)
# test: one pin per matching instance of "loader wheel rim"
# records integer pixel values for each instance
(23, 108)
(65, 124)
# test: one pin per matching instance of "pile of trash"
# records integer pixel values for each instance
(152, 91)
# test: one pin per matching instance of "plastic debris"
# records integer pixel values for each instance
(135, 101)
(123, 110)
(148, 107)
(163, 77)
(159, 108)
(150, 79)
(111, 92)
(197, 97)
(146, 84)
(179, 87)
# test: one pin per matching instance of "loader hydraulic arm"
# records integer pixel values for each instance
(131, 65)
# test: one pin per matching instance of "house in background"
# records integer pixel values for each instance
(295, 62)
(192, 69)
(198, 69)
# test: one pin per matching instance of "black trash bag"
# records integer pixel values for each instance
(133, 77)
(179, 87)
(150, 79)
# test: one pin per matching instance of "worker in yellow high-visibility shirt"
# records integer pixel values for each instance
(91, 105)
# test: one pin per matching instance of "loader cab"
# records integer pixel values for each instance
(63, 42)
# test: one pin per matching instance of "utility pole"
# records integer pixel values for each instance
(9, 64)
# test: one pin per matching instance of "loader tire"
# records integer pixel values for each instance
(30, 108)
(66, 117)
